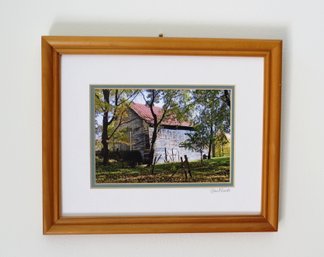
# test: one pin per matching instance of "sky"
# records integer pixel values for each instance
(139, 99)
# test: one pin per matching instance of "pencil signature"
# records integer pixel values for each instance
(220, 190)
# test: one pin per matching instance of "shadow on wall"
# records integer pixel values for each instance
(169, 30)
(264, 31)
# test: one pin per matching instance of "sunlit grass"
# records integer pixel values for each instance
(213, 170)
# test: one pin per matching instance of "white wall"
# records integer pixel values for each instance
(299, 23)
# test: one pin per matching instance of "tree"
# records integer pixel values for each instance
(197, 140)
(173, 107)
(213, 111)
(221, 140)
(112, 105)
(208, 103)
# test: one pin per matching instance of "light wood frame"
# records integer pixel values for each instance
(52, 49)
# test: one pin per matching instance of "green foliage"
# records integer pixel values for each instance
(114, 103)
(174, 103)
(111, 105)
(118, 136)
(224, 150)
(98, 145)
(197, 140)
(223, 146)
(213, 113)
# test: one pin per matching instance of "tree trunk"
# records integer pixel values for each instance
(151, 153)
(210, 145)
(227, 98)
(105, 123)
(214, 149)
(104, 138)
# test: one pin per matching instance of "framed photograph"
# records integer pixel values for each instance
(160, 135)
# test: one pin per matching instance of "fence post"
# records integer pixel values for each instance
(153, 165)
(183, 167)
(165, 154)
(187, 164)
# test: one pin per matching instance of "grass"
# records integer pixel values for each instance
(215, 170)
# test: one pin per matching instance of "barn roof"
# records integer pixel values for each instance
(144, 112)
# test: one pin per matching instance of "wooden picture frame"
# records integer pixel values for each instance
(53, 47)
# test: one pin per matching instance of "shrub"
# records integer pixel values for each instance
(132, 158)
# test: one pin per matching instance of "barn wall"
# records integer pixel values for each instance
(170, 139)
(137, 129)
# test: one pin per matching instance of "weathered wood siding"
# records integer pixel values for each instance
(137, 131)
(167, 143)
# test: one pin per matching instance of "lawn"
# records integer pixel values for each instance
(214, 170)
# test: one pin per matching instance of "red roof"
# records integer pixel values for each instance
(144, 112)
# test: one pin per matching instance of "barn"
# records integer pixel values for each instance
(171, 133)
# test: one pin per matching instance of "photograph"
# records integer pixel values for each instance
(158, 135)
